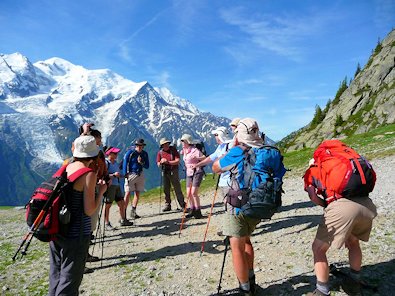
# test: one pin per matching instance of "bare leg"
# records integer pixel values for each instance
(320, 261)
(354, 253)
(240, 261)
(126, 201)
(107, 213)
(136, 199)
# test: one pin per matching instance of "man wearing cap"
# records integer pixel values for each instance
(133, 163)
(114, 190)
(167, 160)
(237, 226)
(223, 140)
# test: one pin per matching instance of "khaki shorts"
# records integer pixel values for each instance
(344, 217)
(113, 193)
(134, 182)
(238, 225)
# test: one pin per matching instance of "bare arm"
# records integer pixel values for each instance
(90, 202)
(314, 197)
(216, 167)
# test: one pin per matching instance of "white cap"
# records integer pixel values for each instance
(222, 133)
(85, 146)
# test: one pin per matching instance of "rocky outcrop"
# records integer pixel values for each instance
(368, 102)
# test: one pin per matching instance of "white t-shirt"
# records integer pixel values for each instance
(222, 149)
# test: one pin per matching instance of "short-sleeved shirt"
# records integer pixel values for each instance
(190, 156)
(113, 168)
(233, 161)
(170, 155)
(221, 150)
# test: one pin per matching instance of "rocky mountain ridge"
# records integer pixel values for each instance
(368, 101)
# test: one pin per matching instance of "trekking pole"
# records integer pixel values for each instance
(209, 216)
(226, 242)
(102, 242)
(160, 188)
(29, 235)
(185, 208)
(98, 225)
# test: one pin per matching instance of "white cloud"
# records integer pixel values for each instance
(280, 35)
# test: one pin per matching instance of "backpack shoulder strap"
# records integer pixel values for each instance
(74, 176)
(60, 171)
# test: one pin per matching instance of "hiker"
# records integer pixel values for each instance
(345, 222)
(134, 161)
(237, 226)
(194, 175)
(167, 160)
(100, 167)
(222, 138)
(114, 190)
(68, 254)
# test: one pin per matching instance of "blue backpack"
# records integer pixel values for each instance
(263, 174)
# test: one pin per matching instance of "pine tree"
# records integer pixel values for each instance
(358, 70)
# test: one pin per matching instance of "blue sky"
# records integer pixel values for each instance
(272, 60)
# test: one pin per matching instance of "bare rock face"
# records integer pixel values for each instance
(368, 102)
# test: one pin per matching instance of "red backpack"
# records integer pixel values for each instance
(48, 211)
(342, 172)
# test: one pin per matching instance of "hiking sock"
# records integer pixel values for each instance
(245, 286)
(323, 287)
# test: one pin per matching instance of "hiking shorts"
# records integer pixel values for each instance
(113, 193)
(196, 179)
(134, 182)
(345, 217)
(238, 225)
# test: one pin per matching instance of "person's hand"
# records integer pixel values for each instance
(101, 182)
(193, 166)
(116, 174)
(102, 189)
(139, 160)
(163, 161)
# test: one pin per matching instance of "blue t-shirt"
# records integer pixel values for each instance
(113, 168)
(233, 161)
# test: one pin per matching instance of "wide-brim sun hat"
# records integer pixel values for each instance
(164, 141)
(112, 150)
(187, 138)
(234, 122)
(222, 134)
(140, 142)
(85, 146)
(247, 132)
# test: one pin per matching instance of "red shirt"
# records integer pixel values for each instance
(170, 155)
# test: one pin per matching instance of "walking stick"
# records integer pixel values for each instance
(160, 188)
(185, 208)
(226, 242)
(209, 216)
(98, 225)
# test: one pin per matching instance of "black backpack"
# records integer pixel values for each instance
(200, 145)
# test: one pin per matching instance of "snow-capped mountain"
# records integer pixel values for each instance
(43, 104)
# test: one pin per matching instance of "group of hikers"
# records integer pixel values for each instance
(345, 221)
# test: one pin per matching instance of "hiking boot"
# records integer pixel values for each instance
(191, 213)
(245, 293)
(220, 233)
(109, 227)
(198, 214)
(316, 292)
(133, 214)
(167, 208)
(91, 258)
(125, 222)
